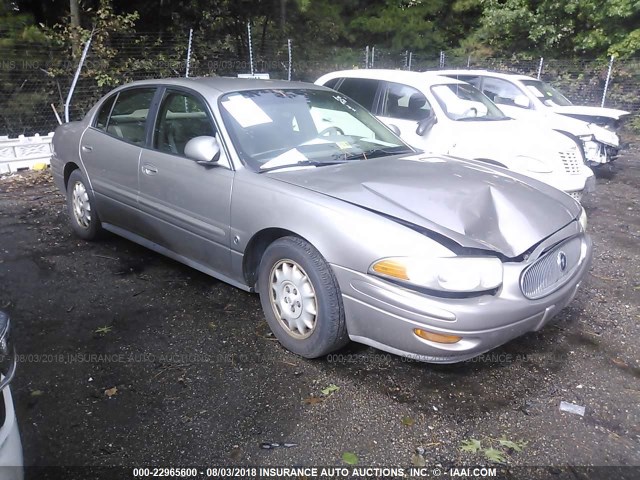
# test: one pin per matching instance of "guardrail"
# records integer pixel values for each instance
(25, 152)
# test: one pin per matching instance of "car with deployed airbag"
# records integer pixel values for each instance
(296, 192)
(539, 103)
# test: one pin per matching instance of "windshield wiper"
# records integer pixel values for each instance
(373, 153)
(303, 163)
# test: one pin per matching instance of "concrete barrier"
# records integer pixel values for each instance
(25, 152)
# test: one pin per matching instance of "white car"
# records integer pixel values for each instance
(445, 116)
(527, 98)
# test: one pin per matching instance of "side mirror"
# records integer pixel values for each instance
(521, 101)
(425, 125)
(394, 129)
(205, 150)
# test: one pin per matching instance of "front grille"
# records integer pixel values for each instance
(571, 161)
(546, 274)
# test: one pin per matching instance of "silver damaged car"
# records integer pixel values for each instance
(297, 192)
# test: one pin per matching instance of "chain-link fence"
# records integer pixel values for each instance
(35, 79)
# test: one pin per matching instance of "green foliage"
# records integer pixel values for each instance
(330, 390)
(494, 455)
(25, 86)
(350, 458)
(517, 446)
(471, 445)
(497, 451)
(561, 27)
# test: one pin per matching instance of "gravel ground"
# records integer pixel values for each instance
(128, 358)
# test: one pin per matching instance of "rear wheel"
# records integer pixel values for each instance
(83, 216)
(301, 298)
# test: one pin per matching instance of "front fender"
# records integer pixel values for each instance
(346, 235)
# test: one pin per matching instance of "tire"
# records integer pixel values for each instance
(81, 205)
(294, 275)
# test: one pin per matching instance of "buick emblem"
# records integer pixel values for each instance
(562, 261)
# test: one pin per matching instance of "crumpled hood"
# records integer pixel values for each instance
(472, 204)
(590, 111)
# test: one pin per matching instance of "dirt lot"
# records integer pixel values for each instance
(128, 358)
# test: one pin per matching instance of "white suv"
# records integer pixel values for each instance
(527, 98)
(441, 115)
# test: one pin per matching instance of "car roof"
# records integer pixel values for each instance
(489, 73)
(416, 79)
(221, 85)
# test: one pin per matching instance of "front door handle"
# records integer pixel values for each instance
(149, 169)
(87, 148)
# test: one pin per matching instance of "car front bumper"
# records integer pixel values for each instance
(575, 185)
(384, 315)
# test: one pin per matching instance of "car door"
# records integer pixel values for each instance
(404, 107)
(110, 150)
(185, 205)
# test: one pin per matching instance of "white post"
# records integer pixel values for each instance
(606, 83)
(469, 61)
(186, 73)
(75, 78)
(373, 55)
(540, 67)
(290, 62)
(366, 57)
(441, 58)
(410, 58)
(250, 46)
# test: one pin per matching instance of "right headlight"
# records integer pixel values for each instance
(582, 219)
(591, 148)
(445, 274)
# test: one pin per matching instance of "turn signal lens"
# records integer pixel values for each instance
(391, 268)
(436, 337)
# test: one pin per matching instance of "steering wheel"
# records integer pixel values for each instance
(328, 130)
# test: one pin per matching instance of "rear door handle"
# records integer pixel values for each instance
(149, 169)
(87, 148)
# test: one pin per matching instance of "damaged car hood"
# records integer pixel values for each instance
(474, 205)
(590, 111)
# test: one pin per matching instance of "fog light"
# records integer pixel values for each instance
(436, 337)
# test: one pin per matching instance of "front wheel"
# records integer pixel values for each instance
(301, 298)
(81, 205)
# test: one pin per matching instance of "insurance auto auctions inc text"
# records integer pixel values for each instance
(374, 472)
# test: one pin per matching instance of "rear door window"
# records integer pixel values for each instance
(103, 115)
(128, 119)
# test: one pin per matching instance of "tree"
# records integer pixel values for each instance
(74, 9)
(561, 27)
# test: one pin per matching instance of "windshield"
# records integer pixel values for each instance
(546, 93)
(465, 102)
(298, 127)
